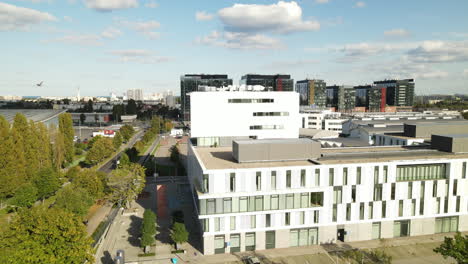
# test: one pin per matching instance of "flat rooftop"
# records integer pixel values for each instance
(221, 157)
(36, 115)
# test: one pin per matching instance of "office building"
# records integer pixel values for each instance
(398, 92)
(312, 92)
(219, 117)
(261, 194)
(278, 82)
(320, 119)
(341, 98)
(191, 82)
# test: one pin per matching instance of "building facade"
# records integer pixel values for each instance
(190, 83)
(219, 117)
(398, 92)
(321, 120)
(342, 98)
(312, 92)
(135, 94)
(278, 82)
(347, 194)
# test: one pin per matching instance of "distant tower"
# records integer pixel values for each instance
(78, 95)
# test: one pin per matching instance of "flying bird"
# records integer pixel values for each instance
(40, 84)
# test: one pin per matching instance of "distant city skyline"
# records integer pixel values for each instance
(115, 46)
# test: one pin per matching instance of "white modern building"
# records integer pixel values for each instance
(221, 116)
(262, 194)
(135, 94)
(321, 120)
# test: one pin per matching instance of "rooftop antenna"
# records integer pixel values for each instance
(78, 95)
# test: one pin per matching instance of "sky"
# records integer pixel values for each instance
(104, 46)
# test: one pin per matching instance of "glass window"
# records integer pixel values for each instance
(457, 206)
(353, 194)
(266, 202)
(345, 176)
(392, 193)
(302, 218)
(217, 221)
(423, 188)
(316, 199)
(227, 205)
(233, 222)
(251, 205)
(434, 189)
(206, 225)
(334, 213)
(371, 210)
(219, 205)
(384, 209)
(289, 201)
(205, 183)
(211, 206)
(464, 170)
(243, 204)
(282, 201)
(253, 222)
(376, 230)
(258, 203)
(413, 207)
(410, 190)
(455, 186)
(273, 180)
(401, 228)
(376, 174)
(287, 219)
(385, 173)
(316, 217)
(288, 179)
(235, 243)
(421, 172)
(268, 220)
(304, 200)
(358, 175)
(294, 238)
(331, 175)
(437, 206)
(361, 211)
(317, 177)
(202, 207)
(235, 204)
(400, 208)
(446, 205)
(250, 241)
(274, 202)
(378, 192)
(232, 182)
(337, 197)
(348, 212)
(297, 200)
(421, 207)
(303, 178)
(258, 181)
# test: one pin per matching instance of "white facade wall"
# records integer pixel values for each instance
(212, 115)
(387, 140)
(357, 228)
(325, 120)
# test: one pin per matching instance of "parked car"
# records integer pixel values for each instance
(252, 260)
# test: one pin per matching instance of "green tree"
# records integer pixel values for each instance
(82, 118)
(168, 126)
(42, 235)
(124, 160)
(45, 150)
(117, 140)
(179, 234)
(127, 132)
(174, 150)
(101, 149)
(131, 108)
(47, 183)
(25, 196)
(93, 140)
(156, 124)
(148, 228)
(58, 149)
(89, 106)
(66, 128)
(139, 146)
(90, 180)
(126, 183)
(117, 112)
(456, 247)
(74, 199)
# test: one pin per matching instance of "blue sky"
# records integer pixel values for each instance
(115, 45)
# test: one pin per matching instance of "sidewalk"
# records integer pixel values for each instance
(97, 218)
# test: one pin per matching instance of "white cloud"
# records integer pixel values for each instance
(152, 4)
(68, 18)
(79, 39)
(357, 51)
(138, 56)
(360, 4)
(291, 64)
(109, 5)
(322, 1)
(283, 17)
(111, 33)
(14, 18)
(440, 51)
(203, 16)
(240, 40)
(397, 33)
(146, 28)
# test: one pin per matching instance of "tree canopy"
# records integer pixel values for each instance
(456, 247)
(178, 233)
(47, 183)
(126, 183)
(101, 149)
(74, 199)
(148, 228)
(41, 235)
(66, 129)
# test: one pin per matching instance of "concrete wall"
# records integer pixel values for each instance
(260, 240)
(357, 232)
(327, 234)
(424, 226)
(282, 238)
(463, 223)
(386, 229)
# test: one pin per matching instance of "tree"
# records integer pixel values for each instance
(174, 150)
(45, 149)
(124, 160)
(101, 149)
(127, 132)
(90, 181)
(74, 199)
(82, 118)
(117, 140)
(456, 248)
(66, 128)
(139, 146)
(89, 106)
(168, 126)
(117, 112)
(42, 235)
(126, 183)
(47, 183)
(25, 196)
(59, 148)
(148, 228)
(131, 107)
(179, 234)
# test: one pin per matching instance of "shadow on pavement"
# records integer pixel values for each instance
(134, 231)
(107, 258)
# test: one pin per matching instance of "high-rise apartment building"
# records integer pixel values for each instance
(398, 92)
(190, 83)
(135, 94)
(278, 82)
(312, 92)
(342, 98)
